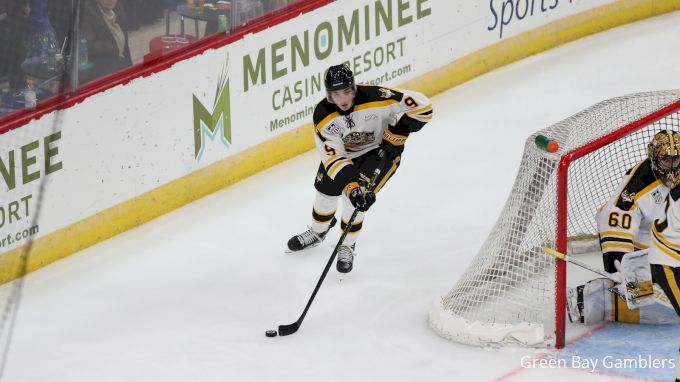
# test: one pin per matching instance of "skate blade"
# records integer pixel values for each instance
(341, 275)
(302, 250)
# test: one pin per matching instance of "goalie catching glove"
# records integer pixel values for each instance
(360, 199)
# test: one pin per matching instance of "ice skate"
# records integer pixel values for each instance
(308, 239)
(345, 259)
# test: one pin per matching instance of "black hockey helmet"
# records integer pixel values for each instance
(664, 152)
(339, 77)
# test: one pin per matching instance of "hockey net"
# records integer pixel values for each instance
(513, 294)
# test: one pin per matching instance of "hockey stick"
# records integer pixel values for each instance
(564, 257)
(285, 330)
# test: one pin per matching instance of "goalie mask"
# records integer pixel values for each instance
(339, 77)
(664, 154)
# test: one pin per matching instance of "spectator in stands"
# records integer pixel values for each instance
(39, 31)
(59, 13)
(4, 41)
(104, 26)
(143, 12)
(22, 35)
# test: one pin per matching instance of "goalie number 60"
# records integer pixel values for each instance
(626, 220)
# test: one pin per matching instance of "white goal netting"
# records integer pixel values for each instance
(513, 293)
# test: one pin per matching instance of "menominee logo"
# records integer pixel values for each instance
(364, 24)
(207, 124)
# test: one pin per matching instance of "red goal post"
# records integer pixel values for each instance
(513, 294)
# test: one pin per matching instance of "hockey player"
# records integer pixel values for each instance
(353, 124)
(624, 222)
(664, 254)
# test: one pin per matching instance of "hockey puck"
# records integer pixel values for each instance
(270, 333)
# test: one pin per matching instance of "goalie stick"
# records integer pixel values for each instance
(564, 257)
(285, 330)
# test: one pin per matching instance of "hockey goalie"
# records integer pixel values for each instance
(637, 227)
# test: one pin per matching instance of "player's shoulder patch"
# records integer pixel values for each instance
(640, 178)
(386, 93)
(333, 128)
(373, 93)
(626, 199)
(322, 110)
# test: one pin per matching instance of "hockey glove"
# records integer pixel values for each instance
(392, 145)
(360, 199)
(608, 258)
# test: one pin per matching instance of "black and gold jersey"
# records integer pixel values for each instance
(625, 221)
(341, 136)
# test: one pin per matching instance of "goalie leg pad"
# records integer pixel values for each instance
(669, 281)
(592, 296)
(661, 312)
(573, 306)
(601, 302)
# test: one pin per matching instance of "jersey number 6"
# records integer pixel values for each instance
(625, 220)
